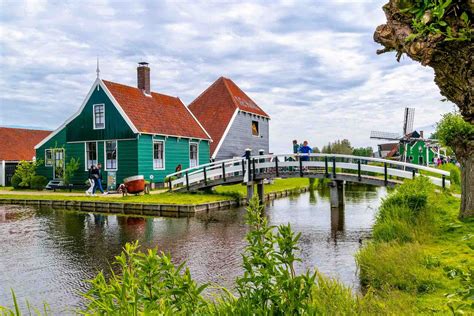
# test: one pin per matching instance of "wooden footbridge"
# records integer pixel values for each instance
(338, 168)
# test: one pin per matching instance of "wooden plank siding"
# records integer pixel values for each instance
(176, 152)
(134, 151)
(81, 128)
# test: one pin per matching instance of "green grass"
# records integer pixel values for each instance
(162, 198)
(420, 252)
(221, 193)
(277, 186)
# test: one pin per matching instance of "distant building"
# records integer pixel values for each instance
(416, 149)
(130, 131)
(233, 120)
(17, 144)
(388, 150)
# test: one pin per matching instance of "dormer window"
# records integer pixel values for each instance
(99, 116)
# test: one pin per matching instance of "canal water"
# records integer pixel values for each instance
(45, 254)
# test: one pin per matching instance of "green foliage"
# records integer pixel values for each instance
(16, 180)
(71, 167)
(25, 171)
(147, 283)
(363, 151)
(338, 147)
(270, 284)
(437, 17)
(454, 132)
(38, 182)
(31, 309)
(396, 266)
(454, 172)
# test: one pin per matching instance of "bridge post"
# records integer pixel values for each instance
(250, 189)
(336, 188)
(260, 192)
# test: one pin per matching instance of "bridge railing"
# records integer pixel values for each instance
(219, 170)
(302, 165)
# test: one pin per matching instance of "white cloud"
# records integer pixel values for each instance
(310, 64)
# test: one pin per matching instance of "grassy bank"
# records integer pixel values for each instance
(278, 185)
(221, 193)
(420, 258)
(162, 198)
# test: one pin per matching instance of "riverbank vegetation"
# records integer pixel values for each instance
(419, 261)
(421, 257)
(277, 185)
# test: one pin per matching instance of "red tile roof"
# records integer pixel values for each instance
(158, 114)
(18, 143)
(216, 105)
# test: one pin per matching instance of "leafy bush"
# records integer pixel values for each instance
(38, 182)
(71, 167)
(455, 173)
(25, 171)
(16, 180)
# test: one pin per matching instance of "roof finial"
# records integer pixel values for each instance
(98, 70)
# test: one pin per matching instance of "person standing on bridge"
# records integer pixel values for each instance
(296, 147)
(305, 150)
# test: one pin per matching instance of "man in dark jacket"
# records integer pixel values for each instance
(97, 173)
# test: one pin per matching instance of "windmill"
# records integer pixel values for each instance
(407, 128)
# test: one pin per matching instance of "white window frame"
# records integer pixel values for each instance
(45, 159)
(197, 153)
(93, 115)
(258, 128)
(105, 155)
(153, 154)
(86, 158)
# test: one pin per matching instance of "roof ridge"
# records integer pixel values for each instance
(230, 93)
(125, 85)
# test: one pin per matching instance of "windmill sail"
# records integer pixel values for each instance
(408, 119)
(384, 135)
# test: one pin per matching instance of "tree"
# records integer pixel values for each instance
(338, 147)
(436, 33)
(458, 134)
(363, 151)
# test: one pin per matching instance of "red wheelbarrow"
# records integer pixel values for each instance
(134, 185)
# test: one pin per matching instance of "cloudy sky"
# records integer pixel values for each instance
(310, 64)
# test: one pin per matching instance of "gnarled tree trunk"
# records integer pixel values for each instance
(453, 64)
(467, 187)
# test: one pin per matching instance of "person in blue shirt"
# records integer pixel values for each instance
(305, 150)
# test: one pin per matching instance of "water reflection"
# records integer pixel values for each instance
(57, 250)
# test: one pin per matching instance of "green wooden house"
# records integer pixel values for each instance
(416, 149)
(130, 131)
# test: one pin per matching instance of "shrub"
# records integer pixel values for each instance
(16, 180)
(455, 173)
(26, 170)
(38, 182)
(71, 167)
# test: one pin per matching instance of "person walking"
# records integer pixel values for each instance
(98, 179)
(91, 181)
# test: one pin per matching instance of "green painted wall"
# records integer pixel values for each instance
(81, 128)
(414, 151)
(59, 140)
(134, 153)
(176, 152)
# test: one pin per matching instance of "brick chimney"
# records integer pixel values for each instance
(143, 77)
